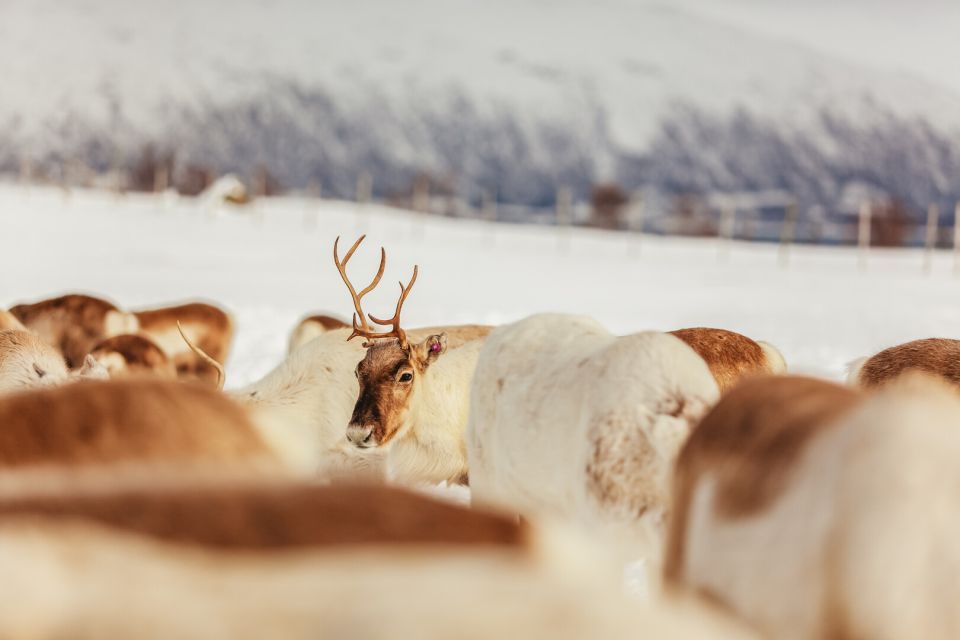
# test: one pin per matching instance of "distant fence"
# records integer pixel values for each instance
(771, 216)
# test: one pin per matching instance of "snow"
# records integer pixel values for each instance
(271, 263)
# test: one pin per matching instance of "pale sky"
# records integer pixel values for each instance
(921, 37)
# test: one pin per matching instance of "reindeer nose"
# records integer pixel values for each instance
(361, 435)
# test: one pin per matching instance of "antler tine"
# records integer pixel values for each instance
(221, 374)
(361, 329)
(395, 320)
(376, 279)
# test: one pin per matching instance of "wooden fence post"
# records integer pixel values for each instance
(788, 232)
(863, 235)
(311, 214)
(725, 230)
(956, 239)
(489, 213)
(635, 219)
(363, 195)
(930, 238)
(564, 216)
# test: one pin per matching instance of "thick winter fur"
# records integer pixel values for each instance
(87, 582)
(938, 356)
(27, 361)
(313, 326)
(207, 326)
(304, 405)
(9, 321)
(414, 403)
(96, 422)
(74, 323)
(815, 512)
(234, 511)
(568, 419)
(130, 354)
(732, 356)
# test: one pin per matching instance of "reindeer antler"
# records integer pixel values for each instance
(360, 325)
(221, 374)
(363, 328)
(395, 320)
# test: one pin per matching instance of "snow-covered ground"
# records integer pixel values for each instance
(272, 263)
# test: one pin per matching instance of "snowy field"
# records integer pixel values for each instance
(271, 263)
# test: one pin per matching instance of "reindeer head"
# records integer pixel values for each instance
(26, 361)
(390, 374)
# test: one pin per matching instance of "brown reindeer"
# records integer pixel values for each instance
(813, 510)
(732, 356)
(74, 323)
(209, 327)
(937, 356)
(410, 401)
(82, 581)
(140, 419)
(227, 509)
(129, 354)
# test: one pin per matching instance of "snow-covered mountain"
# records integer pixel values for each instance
(513, 95)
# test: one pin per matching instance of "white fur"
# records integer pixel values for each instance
(304, 332)
(117, 323)
(429, 445)
(854, 367)
(29, 363)
(868, 524)
(86, 582)
(548, 389)
(775, 360)
(303, 406)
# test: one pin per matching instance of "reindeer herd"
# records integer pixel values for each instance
(140, 499)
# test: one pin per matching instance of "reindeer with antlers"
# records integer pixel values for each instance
(414, 400)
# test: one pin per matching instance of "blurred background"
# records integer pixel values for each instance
(689, 107)
(517, 150)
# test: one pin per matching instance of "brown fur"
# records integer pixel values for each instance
(96, 422)
(274, 515)
(614, 438)
(730, 356)
(210, 328)
(73, 323)
(14, 340)
(382, 398)
(749, 443)
(9, 322)
(139, 355)
(939, 356)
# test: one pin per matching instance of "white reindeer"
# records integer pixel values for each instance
(27, 361)
(304, 406)
(570, 420)
(413, 400)
(329, 562)
(312, 326)
(812, 510)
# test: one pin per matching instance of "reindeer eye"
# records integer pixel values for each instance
(406, 377)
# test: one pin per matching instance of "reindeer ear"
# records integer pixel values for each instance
(93, 370)
(432, 348)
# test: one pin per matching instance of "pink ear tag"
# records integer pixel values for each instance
(435, 347)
